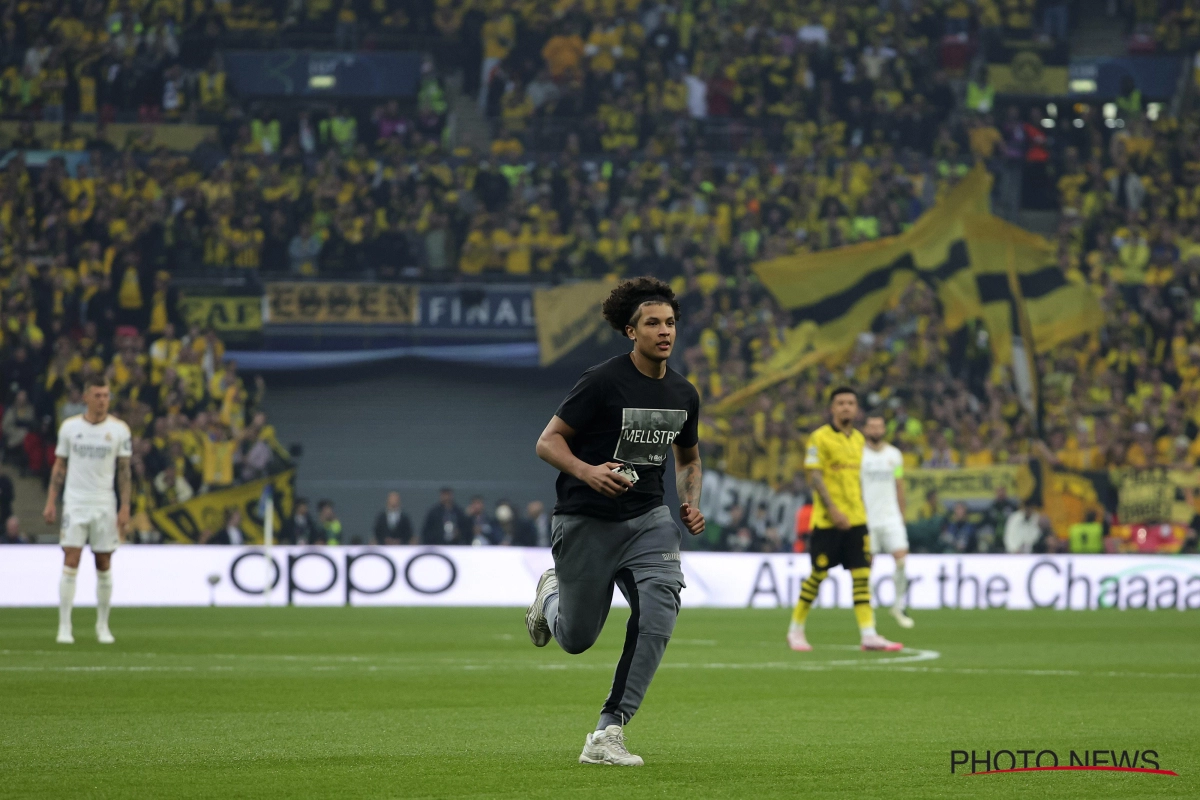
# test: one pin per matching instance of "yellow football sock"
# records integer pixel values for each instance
(808, 595)
(862, 598)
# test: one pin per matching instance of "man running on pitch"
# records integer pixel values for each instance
(93, 448)
(883, 495)
(609, 440)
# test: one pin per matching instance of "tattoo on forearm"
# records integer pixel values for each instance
(124, 480)
(688, 480)
(818, 483)
(58, 476)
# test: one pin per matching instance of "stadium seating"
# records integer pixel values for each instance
(683, 142)
(84, 293)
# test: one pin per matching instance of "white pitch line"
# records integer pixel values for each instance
(796, 666)
(104, 669)
(775, 665)
(914, 654)
(900, 663)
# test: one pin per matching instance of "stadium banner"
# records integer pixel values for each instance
(186, 523)
(289, 73)
(1156, 498)
(1029, 68)
(226, 314)
(179, 137)
(975, 486)
(1157, 494)
(483, 308)
(158, 575)
(567, 316)
(722, 493)
(299, 303)
(510, 354)
(319, 324)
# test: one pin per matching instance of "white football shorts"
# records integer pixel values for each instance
(94, 526)
(888, 538)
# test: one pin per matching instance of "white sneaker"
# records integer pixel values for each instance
(902, 619)
(535, 616)
(608, 747)
(64, 635)
(877, 642)
(104, 635)
(797, 641)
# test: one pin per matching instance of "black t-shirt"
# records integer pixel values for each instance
(621, 415)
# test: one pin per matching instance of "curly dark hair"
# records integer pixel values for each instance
(629, 296)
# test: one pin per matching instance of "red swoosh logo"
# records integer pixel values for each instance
(1079, 769)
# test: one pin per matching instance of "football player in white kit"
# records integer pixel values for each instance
(883, 496)
(93, 450)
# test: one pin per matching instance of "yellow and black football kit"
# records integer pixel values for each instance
(837, 455)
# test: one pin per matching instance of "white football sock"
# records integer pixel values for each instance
(868, 631)
(901, 580)
(104, 588)
(795, 627)
(66, 596)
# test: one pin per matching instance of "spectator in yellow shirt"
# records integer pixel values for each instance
(984, 138)
(164, 353)
(518, 248)
(515, 110)
(477, 251)
(218, 458)
(977, 454)
(246, 243)
(564, 54)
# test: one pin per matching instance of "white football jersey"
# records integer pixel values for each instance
(92, 452)
(880, 471)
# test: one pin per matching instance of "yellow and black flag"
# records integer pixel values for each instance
(979, 266)
(1018, 278)
(841, 291)
(836, 294)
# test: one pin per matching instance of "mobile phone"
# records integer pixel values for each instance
(628, 472)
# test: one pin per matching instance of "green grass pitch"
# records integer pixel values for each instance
(361, 702)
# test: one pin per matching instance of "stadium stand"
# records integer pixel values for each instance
(684, 141)
(84, 293)
(195, 423)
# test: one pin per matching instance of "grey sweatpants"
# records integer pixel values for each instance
(640, 556)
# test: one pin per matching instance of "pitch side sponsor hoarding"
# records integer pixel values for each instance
(147, 575)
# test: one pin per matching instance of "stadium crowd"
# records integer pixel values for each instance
(685, 142)
(372, 192)
(1126, 397)
(160, 60)
(87, 293)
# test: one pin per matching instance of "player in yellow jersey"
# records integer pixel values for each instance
(839, 520)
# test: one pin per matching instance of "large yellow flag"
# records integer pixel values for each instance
(842, 290)
(964, 253)
(836, 294)
(1057, 310)
(567, 316)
